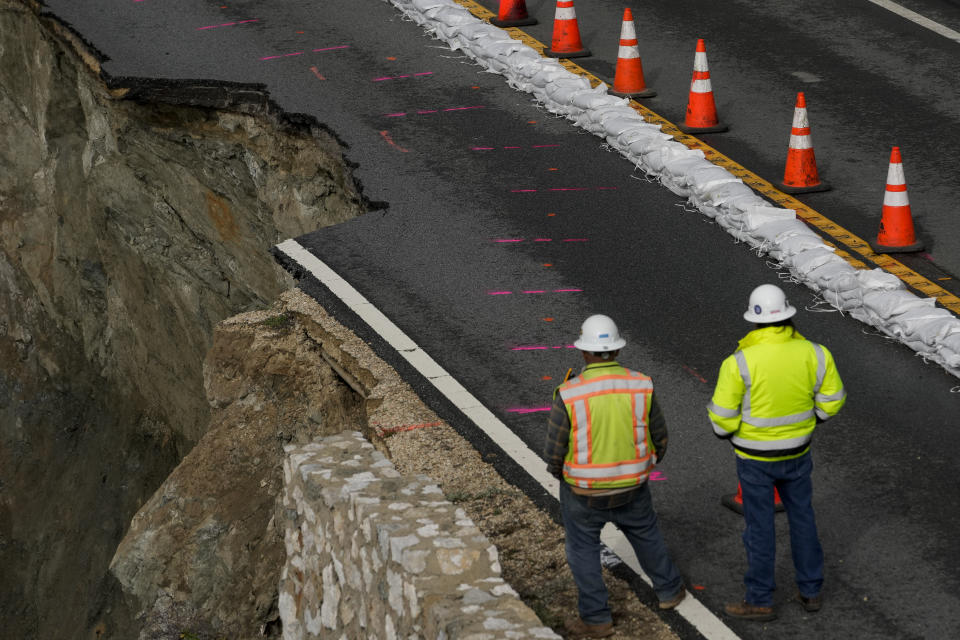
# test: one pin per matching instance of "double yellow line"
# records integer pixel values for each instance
(855, 250)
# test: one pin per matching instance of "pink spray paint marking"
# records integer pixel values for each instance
(504, 293)
(386, 136)
(563, 189)
(695, 374)
(228, 24)
(428, 111)
(411, 75)
(541, 347)
(517, 240)
(535, 146)
(527, 409)
(300, 53)
(657, 476)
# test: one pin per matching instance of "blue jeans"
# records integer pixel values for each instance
(792, 480)
(638, 521)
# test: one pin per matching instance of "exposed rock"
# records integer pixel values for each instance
(127, 232)
(204, 553)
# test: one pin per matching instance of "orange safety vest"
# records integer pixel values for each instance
(608, 407)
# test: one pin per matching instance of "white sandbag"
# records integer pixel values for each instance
(562, 90)
(950, 357)
(595, 98)
(886, 304)
(878, 279)
(831, 274)
(550, 71)
(642, 142)
(760, 214)
(931, 325)
(774, 230)
(795, 243)
(661, 154)
(804, 262)
(843, 300)
(704, 179)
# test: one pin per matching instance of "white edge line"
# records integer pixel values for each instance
(913, 16)
(693, 610)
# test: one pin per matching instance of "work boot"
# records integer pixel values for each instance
(671, 603)
(810, 605)
(577, 628)
(746, 611)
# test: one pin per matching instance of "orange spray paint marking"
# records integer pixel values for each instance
(548, 319)
(391, 58)
(695, 374)
(698, 587)
(381, 430)
(300, 32)
(548, 264)
(531, 122)
(550, 215)
(386, 136)
(316, 72)
(547, 378)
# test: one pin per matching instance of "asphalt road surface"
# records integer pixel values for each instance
(480, 192)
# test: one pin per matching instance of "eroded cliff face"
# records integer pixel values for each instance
(203, 555)
(127, 232)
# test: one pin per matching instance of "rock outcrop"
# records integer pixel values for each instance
(127, 232)
(204, 554)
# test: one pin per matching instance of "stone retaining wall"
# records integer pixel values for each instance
(374, 554)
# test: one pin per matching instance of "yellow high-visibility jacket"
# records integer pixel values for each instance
(608, 407)
(770, 393)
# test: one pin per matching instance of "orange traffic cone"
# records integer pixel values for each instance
(566, 33)
(513, 13)
(701, 108)
(734, 501)
(628, 80)
(801, 175)
(896, 225)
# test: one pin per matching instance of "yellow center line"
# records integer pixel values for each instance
(856, 245)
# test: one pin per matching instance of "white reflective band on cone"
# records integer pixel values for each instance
(628, 32)
(800, 120)
(700, 61)
(565, 13)
(628, 52)
(801, 142)
(895, 199)
(895, 174)
(701, 86)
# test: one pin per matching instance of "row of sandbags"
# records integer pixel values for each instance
(874, 297)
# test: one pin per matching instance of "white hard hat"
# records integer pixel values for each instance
(768, 304)
(599, 333)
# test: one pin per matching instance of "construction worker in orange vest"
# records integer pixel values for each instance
(605, 434)
(770, 395)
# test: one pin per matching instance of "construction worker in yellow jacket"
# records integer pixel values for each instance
(770, 395)
(605, 433)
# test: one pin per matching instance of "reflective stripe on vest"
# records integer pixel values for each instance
(583, 466)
